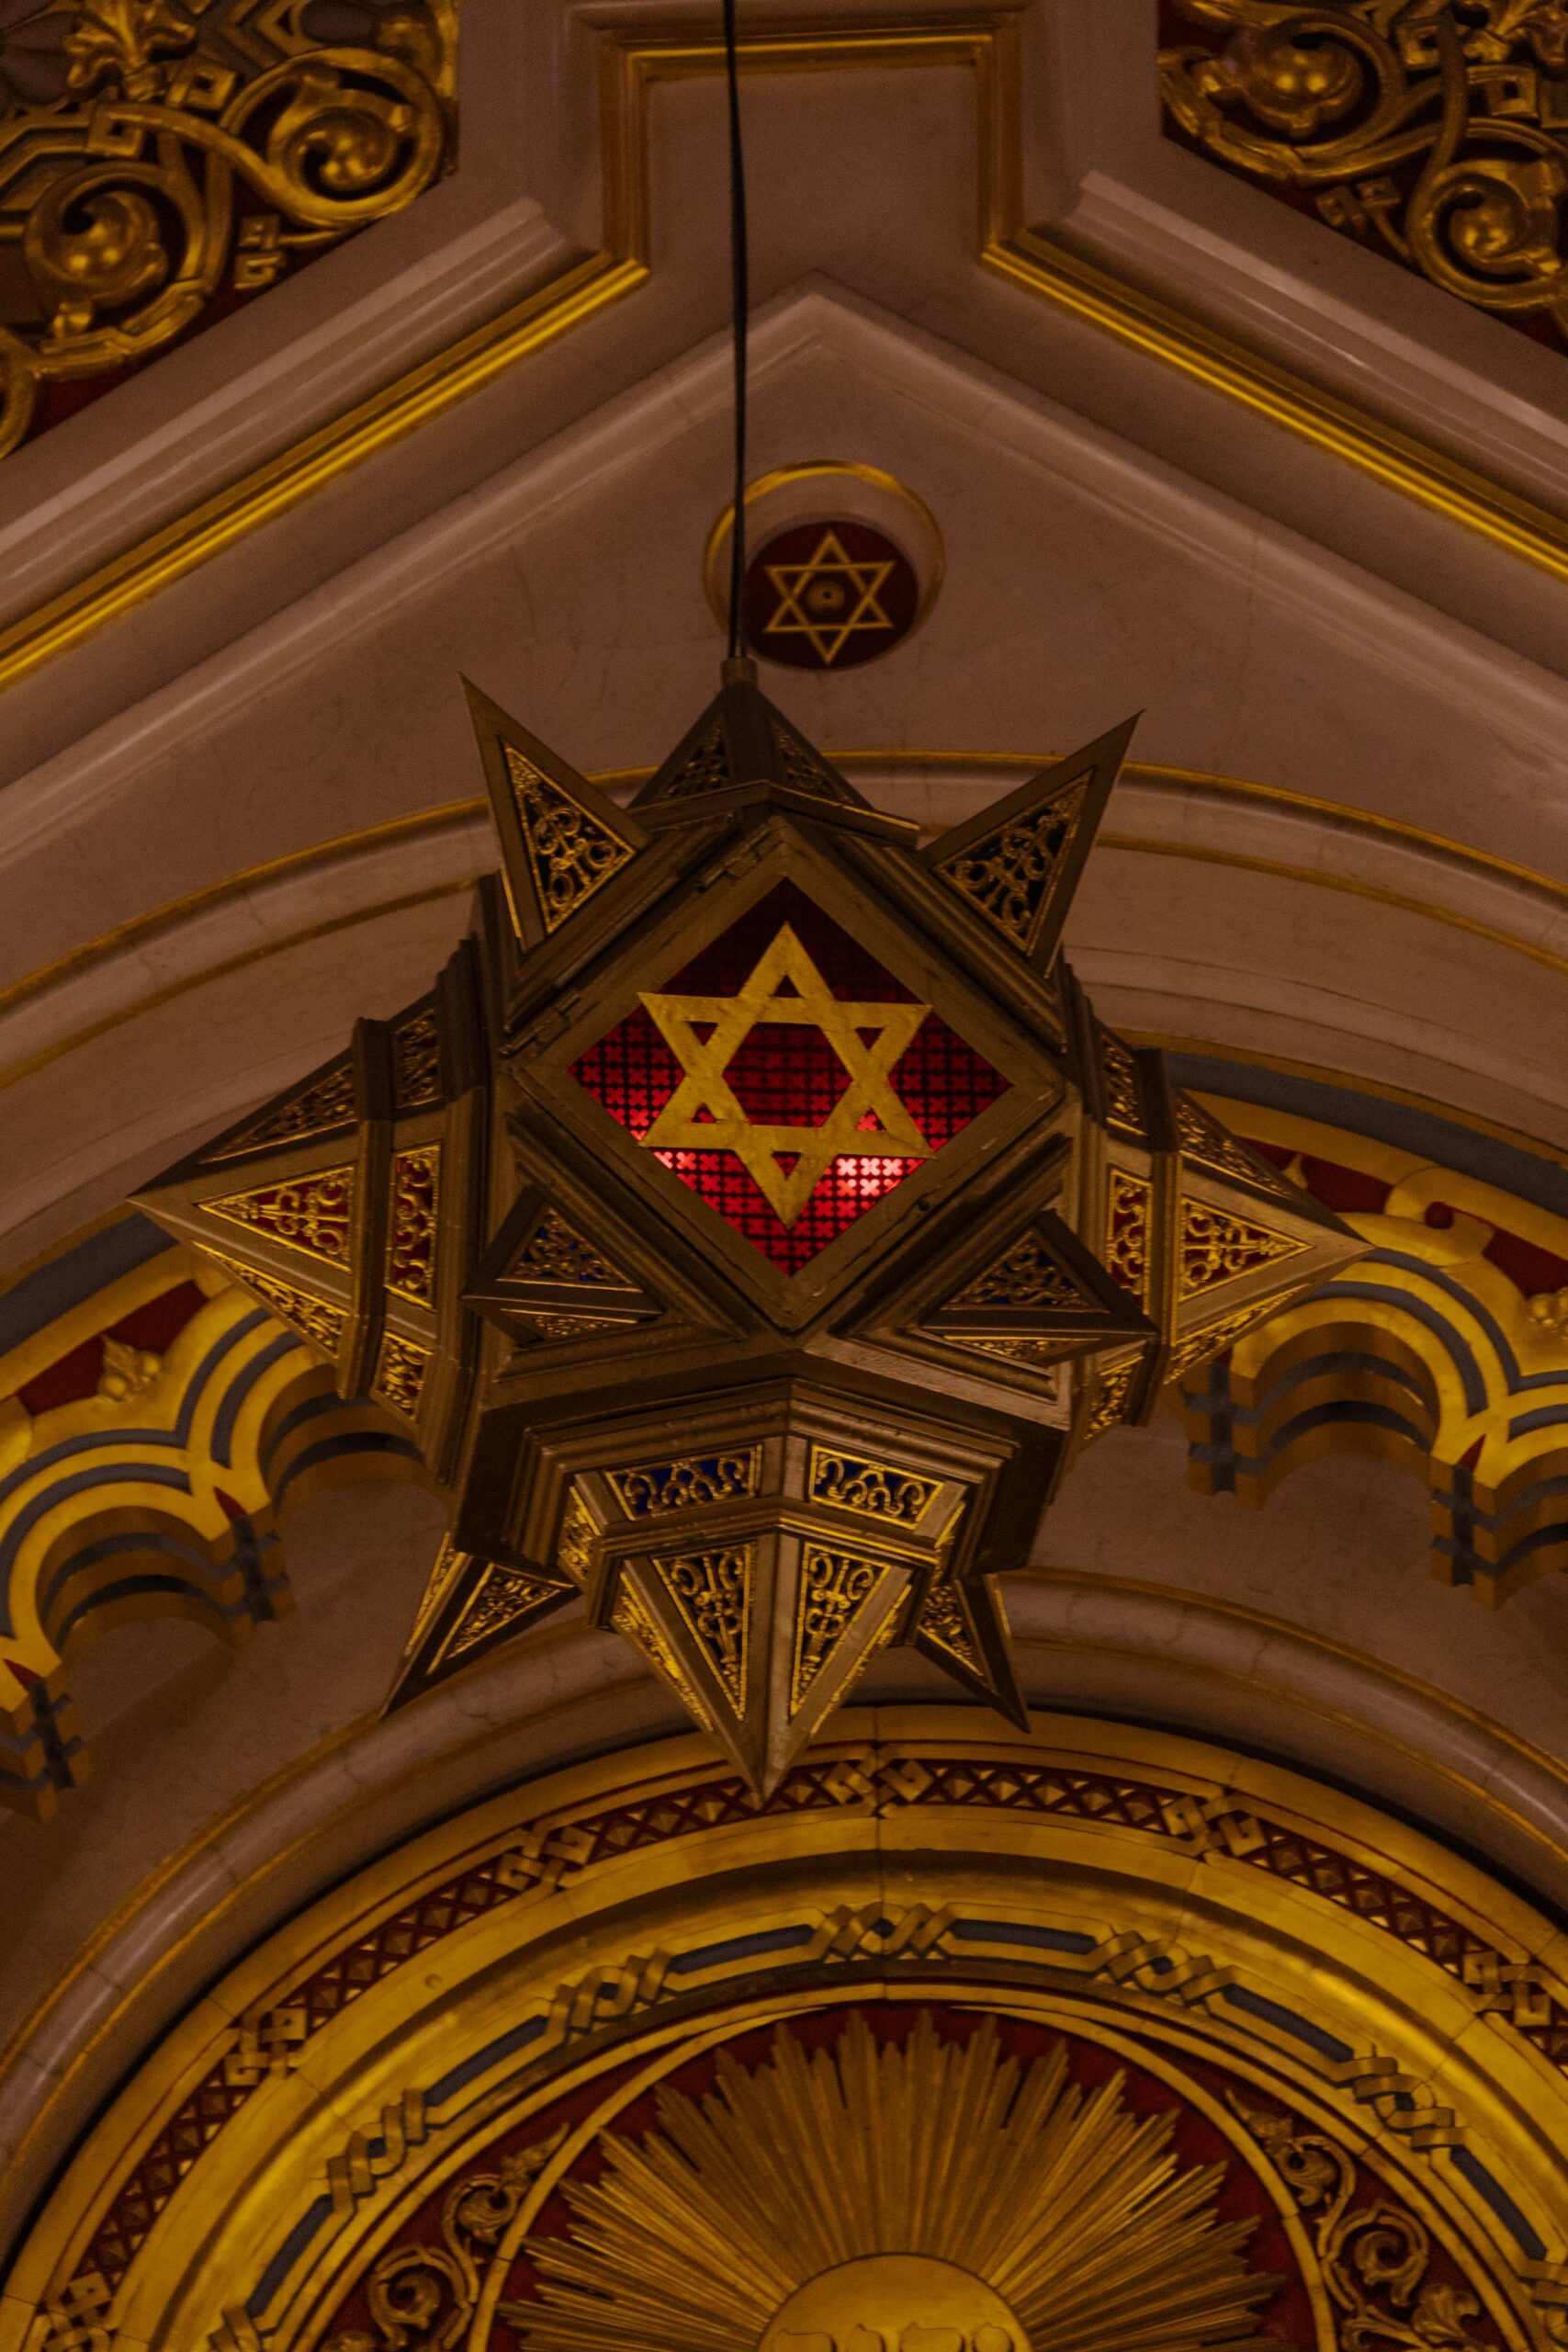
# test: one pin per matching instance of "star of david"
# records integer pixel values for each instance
(786, 1163)
(828, 599)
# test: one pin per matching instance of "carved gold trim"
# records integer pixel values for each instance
(455, 814)
(1210, 1833)
(1025, 256)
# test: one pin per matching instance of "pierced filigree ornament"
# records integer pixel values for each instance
(160, 158)
(733, 1227)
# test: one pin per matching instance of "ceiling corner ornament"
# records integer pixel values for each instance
(1045, 268)
(160, 159)
(753, 1223)
(1435, 135)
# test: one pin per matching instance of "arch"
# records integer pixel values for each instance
(1290, 1962)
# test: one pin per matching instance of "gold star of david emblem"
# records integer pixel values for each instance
(828, 599)
(786, 1163)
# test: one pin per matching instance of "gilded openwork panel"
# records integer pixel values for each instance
(162, 160)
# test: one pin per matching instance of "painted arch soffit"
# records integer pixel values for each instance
(1044, 265)
(1313, 2070)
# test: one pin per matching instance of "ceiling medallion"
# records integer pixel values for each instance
(1054, 2217)
(753, 1222)
(830, 595)
(847, 564)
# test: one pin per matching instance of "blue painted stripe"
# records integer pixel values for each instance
(70, 1281)
(1010, 1931)
(1471, 2169)
(332, 1448)
(228, 1412)
(766, 1939)
(483, 2060)
(1462, 1358)
(1257, 2005)
(108, 1473)
(287, 2254)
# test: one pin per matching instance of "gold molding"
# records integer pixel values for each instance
(1395, 2002)
(1379, 1090)
(451, 815)
(1025, 257)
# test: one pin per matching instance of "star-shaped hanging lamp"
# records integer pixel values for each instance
(754, 1222)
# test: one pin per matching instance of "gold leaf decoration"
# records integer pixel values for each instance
(688, 1481)
(861, 2195)
(557, 1252)
(1432, 134)
(242, 143)
(400, 1368)
(1010, 874)
(1110, 1401)
(1024, 1275)
(942, 1621)
(833, 1585)
(311, 1214)
(411, 1241)
(502, 1597)
(314, 1319)
(632, 1619)
(1217, 1246)
(712, 1591)
(878, 1490)
(1127, 1233)
(570, 853)
(327, 1103)
(416, 1060)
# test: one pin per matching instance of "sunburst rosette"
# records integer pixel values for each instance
(932, 2195)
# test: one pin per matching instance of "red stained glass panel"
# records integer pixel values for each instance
(786, 1077)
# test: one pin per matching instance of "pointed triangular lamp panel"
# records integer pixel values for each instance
(1039, 1298)
(962, 1627)
(767, 1635)
(470, 1607)
(1018, 862)
(742, 744)
(748, 1232)
(561, 839)
(544, 1277)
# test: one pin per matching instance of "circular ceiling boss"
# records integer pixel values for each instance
(844, 564)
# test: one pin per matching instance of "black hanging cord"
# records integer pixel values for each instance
(739, 304)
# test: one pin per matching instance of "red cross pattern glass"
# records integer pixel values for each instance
(788, 1078)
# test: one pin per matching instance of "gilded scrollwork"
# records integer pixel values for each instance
(425, 2295)
(1434, 130)
(157, 153)
(832, 1587)
(1376, 2257)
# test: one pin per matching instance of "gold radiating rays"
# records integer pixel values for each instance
(935, 2197)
